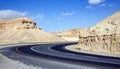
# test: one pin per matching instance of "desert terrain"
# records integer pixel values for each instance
(21, 31)
(71, 35)
(103, 38)
(24, 30)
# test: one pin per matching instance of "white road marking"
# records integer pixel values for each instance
(49, 48)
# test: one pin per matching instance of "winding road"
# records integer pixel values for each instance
(55, 56)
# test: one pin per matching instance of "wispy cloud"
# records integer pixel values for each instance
(8, 14)
(102, 5)
(110, 5)
(93, 2)
(58, 18)
(67, 13)
(105, 4)
(39, 16)
(90, 7)
(99, 3)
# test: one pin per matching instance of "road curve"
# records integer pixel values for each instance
(57, 52)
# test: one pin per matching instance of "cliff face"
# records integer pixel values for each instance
(103, 37)
(103, 43)
(22, 30)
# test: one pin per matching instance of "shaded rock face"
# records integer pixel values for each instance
(103, 43)
(19, 23)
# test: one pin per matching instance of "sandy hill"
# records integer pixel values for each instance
(110, 25)
(24, 30)
(72, 35)
(72, 32)
(103, 37)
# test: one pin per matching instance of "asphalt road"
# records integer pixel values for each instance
(54, 56)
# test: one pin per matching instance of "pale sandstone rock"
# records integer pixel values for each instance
(71, 33)
(103, 43)
(110, 25)
(103, 37)
(18, 23)
(22, 30)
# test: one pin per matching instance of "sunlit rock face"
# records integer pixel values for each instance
(24, 30)
(103, 37)
(72, 32)
(103, 43)
(18, 23)
(110, 25)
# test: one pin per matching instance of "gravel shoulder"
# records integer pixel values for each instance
(73, 48)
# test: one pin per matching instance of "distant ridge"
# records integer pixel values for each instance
(110, 25)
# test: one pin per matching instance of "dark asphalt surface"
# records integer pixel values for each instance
(54, 56)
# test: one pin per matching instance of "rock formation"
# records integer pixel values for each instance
(110, 25)
(19, 23)
(20, 30)
(103, 37)
(103, 43)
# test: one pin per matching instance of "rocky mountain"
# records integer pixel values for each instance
(24, 30)
(110, 25)
(103, 37)
(18, 23)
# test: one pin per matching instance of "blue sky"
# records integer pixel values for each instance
(59, 15)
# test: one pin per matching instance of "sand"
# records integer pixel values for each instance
(71, 39)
